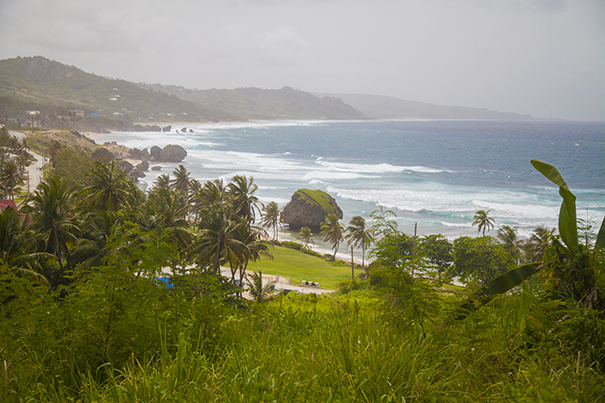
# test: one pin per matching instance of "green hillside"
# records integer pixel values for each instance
(256, 103)
(69, 97)
(63, 92)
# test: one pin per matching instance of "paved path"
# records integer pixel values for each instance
(281, 284)
(34, 171)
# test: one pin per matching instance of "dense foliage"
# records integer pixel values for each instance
(112, 294)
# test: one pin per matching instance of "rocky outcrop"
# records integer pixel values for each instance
(142, 155)
(173, 153)
(309, 208)
(143, 166)
(156, 153)
(170, 153)
(152, 128)
(167, 129)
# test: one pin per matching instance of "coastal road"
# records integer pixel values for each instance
(34, 171)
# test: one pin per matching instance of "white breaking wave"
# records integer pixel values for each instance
(375, 168)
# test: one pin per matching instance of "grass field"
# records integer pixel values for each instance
(298, 266)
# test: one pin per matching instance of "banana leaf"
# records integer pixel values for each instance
(497, 286)
(568, 226)
(600, 237)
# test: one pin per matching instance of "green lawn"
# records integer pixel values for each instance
(298, 266)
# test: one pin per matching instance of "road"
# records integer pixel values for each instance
(34, 171)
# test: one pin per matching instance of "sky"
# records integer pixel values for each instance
(545, 58)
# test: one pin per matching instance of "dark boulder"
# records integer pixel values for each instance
(156, 168)
(136, 174)
(137, 154)
(143, 166)
(173, 153)
(309, 208)
(167, 128)
(126, 166)
(153, 128)
(156, 153)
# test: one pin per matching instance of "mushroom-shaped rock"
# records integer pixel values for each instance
(309, 208)
(173, 153)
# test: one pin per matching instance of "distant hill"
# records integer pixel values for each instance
(256, 103)
(67, 96)
(383, 107)
(65, 93)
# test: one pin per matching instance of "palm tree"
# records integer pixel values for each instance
(108, 188)
(51, 208)
(162, 182)
(15, 246)
(10, 179)
(541, 238)
(253, 247)
(271, 218)
(332, 231)
(359, 235)
(167, 213)
(482, 221)
(306, 235)
(508, 237)
(257, 289)
(217, 240)
(212, 192)
(181, 179)
(241, 196)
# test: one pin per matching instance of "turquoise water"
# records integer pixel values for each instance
(434, 173)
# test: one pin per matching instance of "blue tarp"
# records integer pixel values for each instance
(94, 114)
(165, 280)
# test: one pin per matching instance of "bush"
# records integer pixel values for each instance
(292, 245)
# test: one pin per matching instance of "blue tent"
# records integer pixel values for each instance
(94, 114)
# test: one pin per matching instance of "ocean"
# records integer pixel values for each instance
(435, 174)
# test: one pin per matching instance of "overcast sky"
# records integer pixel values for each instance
(540, 57)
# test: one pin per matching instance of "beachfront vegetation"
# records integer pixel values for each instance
(14, 157)
(111, 294)
(332, 231)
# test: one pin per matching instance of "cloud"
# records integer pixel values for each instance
(543, 57)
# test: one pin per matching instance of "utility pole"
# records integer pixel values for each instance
(352, 265)
(414, 249)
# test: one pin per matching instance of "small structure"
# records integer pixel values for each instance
(4, 204)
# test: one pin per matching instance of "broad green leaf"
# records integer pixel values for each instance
(568, 226)
(510, 279)
(600, 237)
(499, 285)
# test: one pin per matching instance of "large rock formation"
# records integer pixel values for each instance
(170, 153)
(173, 153)
(309, 208)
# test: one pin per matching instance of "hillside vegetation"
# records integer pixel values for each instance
(256, 103)
(67, 96)
(111, 294)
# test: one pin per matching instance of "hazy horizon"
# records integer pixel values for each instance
(545, 58)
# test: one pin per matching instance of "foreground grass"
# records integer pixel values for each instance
(298, 266)
(326, 349)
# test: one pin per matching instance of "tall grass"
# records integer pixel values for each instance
(321, 349)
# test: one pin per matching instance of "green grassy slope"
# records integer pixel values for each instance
(298, 266)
